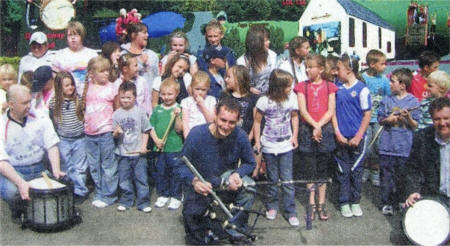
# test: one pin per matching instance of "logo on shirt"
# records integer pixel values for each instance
(353, 94)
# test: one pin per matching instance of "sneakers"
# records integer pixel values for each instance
(121, 208)
(387, 210)
(346, 211)
(356, 210)
(271, 214)
(99, 204)
(366, 175)
(161, 201)
(174, 204)
(146, 209)
(293, 221)
(375, 177)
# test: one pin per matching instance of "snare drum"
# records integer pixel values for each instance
(427, 223)
(50, 208)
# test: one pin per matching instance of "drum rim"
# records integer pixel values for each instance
(406, 211)
(56, 29)
(68, 186)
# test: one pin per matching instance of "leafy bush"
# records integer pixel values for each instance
(10, 60)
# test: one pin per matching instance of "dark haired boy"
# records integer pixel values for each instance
(399, 114)
(428, 63)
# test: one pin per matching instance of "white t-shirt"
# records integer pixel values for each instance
(195, 115)
(277, 133)
(300, 70)
(3, 155)
(31, 63)
(187, 78)
(75, 63)
(26, 145)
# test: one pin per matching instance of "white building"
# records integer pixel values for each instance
(339, 26)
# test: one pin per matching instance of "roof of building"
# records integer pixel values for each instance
(354, 9)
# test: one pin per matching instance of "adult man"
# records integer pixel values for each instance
(26, 137)
(214, 149)
(428, 167)
(39, 55)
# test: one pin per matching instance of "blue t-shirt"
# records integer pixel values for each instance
(397, 140)
(351, 103)
(379, 87)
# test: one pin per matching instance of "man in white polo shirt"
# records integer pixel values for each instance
(26, 136)
(39, 55)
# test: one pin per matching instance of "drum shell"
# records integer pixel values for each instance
(50, 209)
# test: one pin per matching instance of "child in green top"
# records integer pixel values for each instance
(167, 124)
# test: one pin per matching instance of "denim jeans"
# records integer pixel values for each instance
(73, 162)
(167, 182)
(279, 167)
(133, 172)
(8, 190)
(391, 177)
(103, 166)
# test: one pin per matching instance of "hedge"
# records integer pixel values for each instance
(11, 60)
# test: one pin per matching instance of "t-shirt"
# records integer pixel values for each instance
(418, 86)
(397, 140)
(134, 123)
(260, 80)
(70, 125)
(351, 103)
(316, 97)
(99, 109)
(195, 115)
(277, 133)
(160, 120)
(75, 63)
(26, 144)
(248, 103)
(142, 93)
(2, 99)
(300, 70)
(3, 155)
(31, 63)
(379, 87)
(426, 116)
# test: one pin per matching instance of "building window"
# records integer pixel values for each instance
(388, 47)
(351, 32)
(379, 38)
(364, 35)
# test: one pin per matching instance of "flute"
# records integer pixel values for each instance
(166, 133)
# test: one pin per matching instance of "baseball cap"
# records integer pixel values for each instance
(38, 37)
(40, 77)
(214, 52)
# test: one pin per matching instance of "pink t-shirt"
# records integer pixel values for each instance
(99, 108)
(317, 97)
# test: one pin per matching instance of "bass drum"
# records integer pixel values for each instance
(56, 14)
(427, 223)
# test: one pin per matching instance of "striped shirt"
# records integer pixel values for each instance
(70, 126)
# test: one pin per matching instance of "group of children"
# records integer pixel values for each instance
(319, 106)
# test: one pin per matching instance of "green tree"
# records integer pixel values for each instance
(232, 40)
(276, 39)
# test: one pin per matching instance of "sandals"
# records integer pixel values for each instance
(322, 212)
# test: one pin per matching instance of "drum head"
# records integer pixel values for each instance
(427, 223)
(56, 14)
(40, 184)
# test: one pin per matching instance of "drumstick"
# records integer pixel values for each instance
(137, 152)
(166, 133)
(47, 180)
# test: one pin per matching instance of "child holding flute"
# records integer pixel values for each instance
(166, 119)
(131, 125)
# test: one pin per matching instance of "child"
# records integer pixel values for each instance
(438, 85)
(27, 79)
(330, 73)
(352, 118)
(378, 86)
(216, 60)
(399, 120)
(148, 61)
(258, 58)
(67, 118)
(75, 57)
(179, 44)
(199, 108)
(176, 68)
(111, 51)
(298, 50)
(279, 108)
(317, 102)
(168, 186)
(98, 105)
(131, 125)
(8, 77)
(428, 63)
(42, 88)
(129, 73)
(214, 33)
